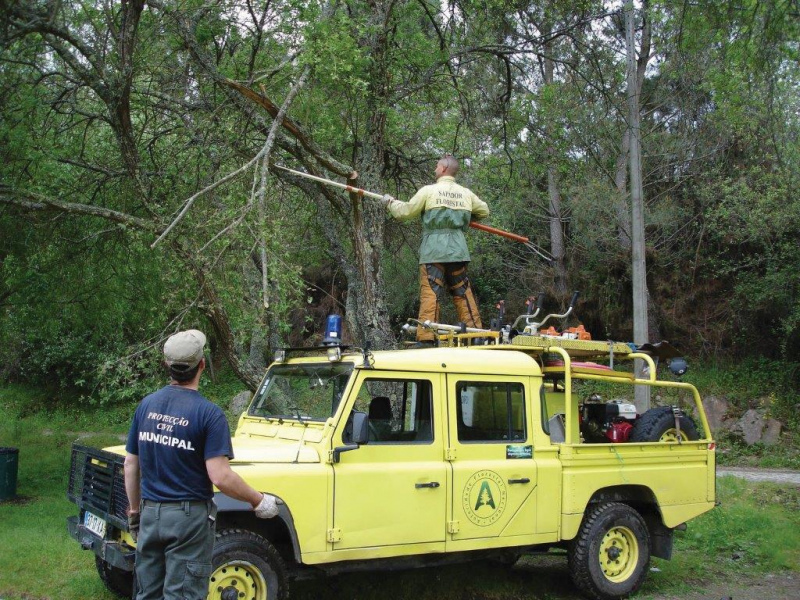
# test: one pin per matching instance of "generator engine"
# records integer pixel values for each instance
(604, 422)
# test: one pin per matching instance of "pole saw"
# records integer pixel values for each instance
(361, 192)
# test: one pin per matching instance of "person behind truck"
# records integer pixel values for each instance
(179, 445)
(447, 209)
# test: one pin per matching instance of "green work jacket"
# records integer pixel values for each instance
(446, 210)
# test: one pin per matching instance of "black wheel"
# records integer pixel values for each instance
(609, 557)
(658, 425)
(118, 581)
(245, 565)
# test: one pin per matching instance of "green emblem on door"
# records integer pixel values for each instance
(484, 498)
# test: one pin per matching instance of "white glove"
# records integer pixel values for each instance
(387, 199)
(267, 508)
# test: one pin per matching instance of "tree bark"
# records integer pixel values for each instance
(372, 314)
(557, 245)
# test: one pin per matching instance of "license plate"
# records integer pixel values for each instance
(95, 524)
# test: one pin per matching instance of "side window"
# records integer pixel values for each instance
(400, 410)
(490, 412)
(552, 403)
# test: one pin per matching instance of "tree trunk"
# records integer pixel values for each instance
(557, 245)
(371, 321)
(621, 204)
(215, 312)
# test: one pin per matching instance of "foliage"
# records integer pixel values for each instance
(136, 121)
(732, 451)
(752, 383)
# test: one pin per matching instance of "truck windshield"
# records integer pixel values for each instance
(303, 391)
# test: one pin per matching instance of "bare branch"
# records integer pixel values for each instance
(34, 201)
(263, 153)
(292, 127)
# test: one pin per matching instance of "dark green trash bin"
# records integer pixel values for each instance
(9, 462)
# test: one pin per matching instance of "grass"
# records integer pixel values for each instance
(785, 455)
(752, 532)
(45, 562)
(39, 559)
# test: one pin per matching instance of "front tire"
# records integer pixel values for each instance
(246, 563)
(118, 581)
(609, 557)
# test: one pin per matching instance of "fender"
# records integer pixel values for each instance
(226, 504)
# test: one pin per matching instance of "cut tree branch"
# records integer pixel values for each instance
(34, 201)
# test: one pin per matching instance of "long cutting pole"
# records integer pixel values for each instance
(343, 186)
(361, 192)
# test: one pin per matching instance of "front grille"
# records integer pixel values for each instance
(97, 484)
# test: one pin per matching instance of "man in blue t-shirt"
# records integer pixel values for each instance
(179, 445)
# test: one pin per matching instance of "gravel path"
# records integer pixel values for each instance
(772, 475)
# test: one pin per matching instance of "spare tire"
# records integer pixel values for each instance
(658, 425)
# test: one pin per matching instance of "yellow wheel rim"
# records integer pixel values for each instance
(670, 435)
(619, 554)
(240, 575)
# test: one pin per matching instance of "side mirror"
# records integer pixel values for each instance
(359, 428)
(356, 432)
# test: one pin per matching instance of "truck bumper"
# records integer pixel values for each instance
(114, 553)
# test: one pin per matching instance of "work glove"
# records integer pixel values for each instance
(133, 525)
(387, 199)
(267, 508)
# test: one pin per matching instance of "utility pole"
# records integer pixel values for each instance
(639, 274)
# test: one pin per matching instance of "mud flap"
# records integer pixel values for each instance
(660, 537)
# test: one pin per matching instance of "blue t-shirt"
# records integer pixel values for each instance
(174, 431)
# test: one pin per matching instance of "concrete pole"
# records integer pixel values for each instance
(639, 275)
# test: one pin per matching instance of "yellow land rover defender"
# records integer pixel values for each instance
(523, 443)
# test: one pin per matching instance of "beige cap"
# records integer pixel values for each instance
(185, 348)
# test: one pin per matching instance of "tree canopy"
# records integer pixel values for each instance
(139, 191)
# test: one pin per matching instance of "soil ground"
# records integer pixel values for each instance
(539, 577)
(551, 572)
(772, 587)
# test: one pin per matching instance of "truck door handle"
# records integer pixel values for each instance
(521, 480)
(430, 484)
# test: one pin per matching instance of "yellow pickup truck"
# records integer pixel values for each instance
(420, 457)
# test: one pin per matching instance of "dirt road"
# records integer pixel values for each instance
(752, 474)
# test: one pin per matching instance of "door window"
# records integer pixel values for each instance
(490, 412)
(400, 410)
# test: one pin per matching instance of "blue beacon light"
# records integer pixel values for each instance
(333, 331)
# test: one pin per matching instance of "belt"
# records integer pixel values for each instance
(176, 503)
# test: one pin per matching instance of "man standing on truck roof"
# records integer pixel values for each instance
(179, 444)
(447, 209)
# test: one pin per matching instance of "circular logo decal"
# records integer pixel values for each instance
(484, 498)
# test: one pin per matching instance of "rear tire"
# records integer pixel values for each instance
(658, 425)
(609, 557)
(246, 563)
(118, 581)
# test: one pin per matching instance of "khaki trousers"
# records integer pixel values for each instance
(434, 278)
